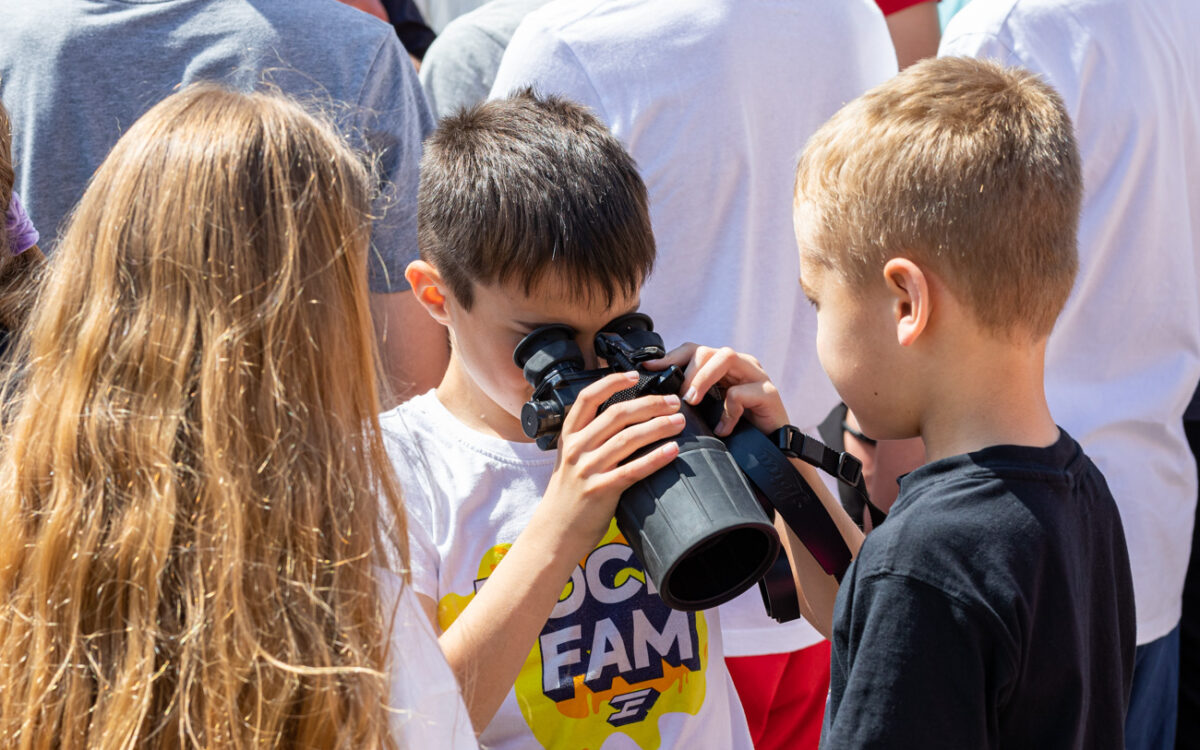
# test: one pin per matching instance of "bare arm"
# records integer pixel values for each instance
(413, 346)
(816, 589)
(489, 642)
(915, 32)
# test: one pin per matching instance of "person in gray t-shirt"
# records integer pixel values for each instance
(75, 74)
(460, 66)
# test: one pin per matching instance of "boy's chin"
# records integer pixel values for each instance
(883, 430)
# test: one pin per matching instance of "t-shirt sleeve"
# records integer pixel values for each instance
(915, 667)
(427, 706)
(966, 36)
(421, 516)
(393, 122)
(538, 57)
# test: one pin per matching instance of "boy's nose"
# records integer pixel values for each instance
(590, 360)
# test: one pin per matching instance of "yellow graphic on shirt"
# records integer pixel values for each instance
(612, 658)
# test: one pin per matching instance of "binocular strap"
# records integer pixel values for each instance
(789, 494)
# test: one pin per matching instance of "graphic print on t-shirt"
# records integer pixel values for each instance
(612, 658)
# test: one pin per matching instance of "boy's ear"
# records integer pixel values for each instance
(429, 289)
(912, 302)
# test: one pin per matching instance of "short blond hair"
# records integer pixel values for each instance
(964, 166)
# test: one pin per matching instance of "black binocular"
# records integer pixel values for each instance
(701, 526)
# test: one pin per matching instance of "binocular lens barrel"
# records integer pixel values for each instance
(697, 525)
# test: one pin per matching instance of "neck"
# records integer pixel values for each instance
(463, 398)
(998, 398)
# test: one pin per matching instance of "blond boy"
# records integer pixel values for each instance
(936, 218)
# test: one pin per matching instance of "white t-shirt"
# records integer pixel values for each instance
(438, 13)
(1124, 359)
(715, 100)
(428, 708)
(614, 667)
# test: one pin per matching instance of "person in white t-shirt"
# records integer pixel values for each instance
(531, 213)
(1123, 362)
(715, 100)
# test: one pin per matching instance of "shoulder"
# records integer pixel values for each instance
(1020, 32)
(492, 24)
(411, 426)
(352, 24)
(460, 65)
(590, 29)
(410, 435)
(953, 530)
(548, 53)
(461, 38)
(979, 27)
(363, 55)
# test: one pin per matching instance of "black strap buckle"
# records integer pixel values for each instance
(849, 469)
(838, 464)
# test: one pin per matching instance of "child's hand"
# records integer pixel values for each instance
(590, 476)
(748, 390)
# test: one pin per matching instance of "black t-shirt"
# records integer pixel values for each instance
(993, 609)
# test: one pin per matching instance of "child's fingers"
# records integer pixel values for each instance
(625, 475)
(680, 356)
(711, 366)
(583, 411)
(633, 438)
(758, 401)
(621, 416)
(704, 367)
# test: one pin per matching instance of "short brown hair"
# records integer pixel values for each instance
(963, 165)
(519, 188)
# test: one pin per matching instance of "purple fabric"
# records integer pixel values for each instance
(21, 233)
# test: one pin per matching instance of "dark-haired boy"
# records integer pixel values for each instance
(936, 217)
(532, 213)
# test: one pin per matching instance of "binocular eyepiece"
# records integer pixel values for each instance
(553, 364)
(696, 525)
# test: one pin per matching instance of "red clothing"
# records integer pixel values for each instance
(783, 696)
(891, 6)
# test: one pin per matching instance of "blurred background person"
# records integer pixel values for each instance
(75, 74)
(460, 66)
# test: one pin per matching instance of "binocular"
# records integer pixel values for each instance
(701, 526)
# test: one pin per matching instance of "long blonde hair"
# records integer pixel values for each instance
(191, 484)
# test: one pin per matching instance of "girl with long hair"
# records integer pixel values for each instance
(196, 507)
